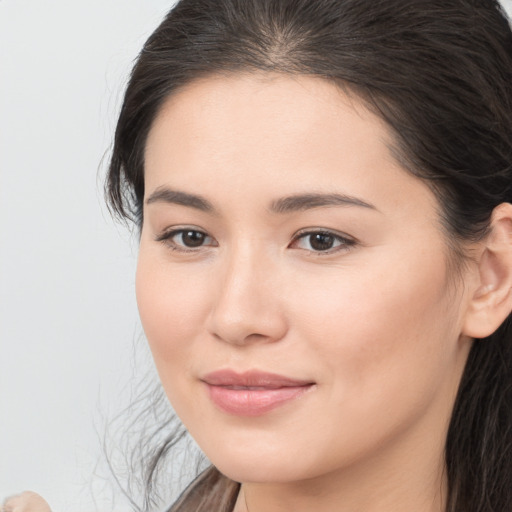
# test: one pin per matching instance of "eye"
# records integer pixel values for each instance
(185, 239)
(322, 242)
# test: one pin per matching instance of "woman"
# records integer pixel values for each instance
(323, 195)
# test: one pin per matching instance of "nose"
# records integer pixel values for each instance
(247, 306)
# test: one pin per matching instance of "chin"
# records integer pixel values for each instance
(263, 468)
(251, 473)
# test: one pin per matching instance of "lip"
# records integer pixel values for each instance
(253, 393)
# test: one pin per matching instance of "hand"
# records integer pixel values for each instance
(27, 501)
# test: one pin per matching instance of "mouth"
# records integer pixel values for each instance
(253, 393)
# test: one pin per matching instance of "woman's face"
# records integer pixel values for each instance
(292, 282)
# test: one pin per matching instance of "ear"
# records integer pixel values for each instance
(491, 302)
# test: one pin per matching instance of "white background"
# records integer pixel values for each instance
(68, 317)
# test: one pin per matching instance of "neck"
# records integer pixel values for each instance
(408, 478)
(374, 496)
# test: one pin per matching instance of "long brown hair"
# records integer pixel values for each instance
(439, 73)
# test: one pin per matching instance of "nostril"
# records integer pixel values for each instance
(248, 330)
(246, 308)
(235, 337)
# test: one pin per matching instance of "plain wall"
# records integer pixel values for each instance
(68, 317)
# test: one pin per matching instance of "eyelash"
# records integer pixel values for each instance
(344, 243)
(167, 238)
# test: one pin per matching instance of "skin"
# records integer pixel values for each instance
(376, 323)
(27, 501)
(379, 322)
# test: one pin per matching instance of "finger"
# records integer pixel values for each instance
(27, 501)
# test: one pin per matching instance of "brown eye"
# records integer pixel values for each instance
(186, 239)
(322, 242)
(191, 238)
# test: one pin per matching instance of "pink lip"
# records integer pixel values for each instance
(252, 393)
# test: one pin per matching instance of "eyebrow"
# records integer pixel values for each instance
(167, 195)
(289, 204)
(301, 202)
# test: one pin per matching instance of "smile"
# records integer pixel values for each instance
(252, 393)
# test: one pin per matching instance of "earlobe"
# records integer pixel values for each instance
(491, 301)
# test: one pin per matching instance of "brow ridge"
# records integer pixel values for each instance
(167, 195)
(288, 204)
(301, 202)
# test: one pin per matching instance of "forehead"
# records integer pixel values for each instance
(274, 134)
(287, 116)
(291, 100)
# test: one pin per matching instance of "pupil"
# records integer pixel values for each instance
(322, 241)
(193, 238)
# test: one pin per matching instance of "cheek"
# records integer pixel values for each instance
(386, 346)
(172, 305)
(386, 323)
